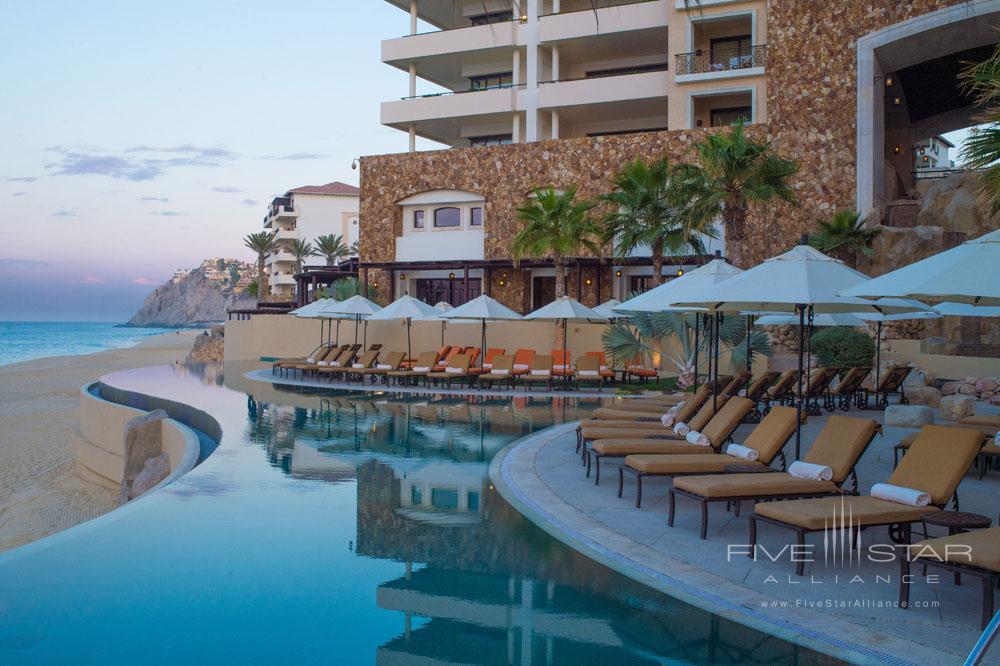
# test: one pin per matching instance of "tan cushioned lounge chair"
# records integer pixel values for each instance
(656, 405)
(607, 430)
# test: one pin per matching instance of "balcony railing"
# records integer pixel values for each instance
(618, 71)
(502, 86)
(598, 4)
(721, 60)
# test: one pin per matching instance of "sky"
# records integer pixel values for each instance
(141, 137)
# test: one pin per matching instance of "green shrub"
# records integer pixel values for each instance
(842, 348)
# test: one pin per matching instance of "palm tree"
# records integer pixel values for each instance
(261, 243)
(301, 250)
(844, 236)
(333, 248)
(557, 225)
(736, 172)
(982, 149)
(648, 209)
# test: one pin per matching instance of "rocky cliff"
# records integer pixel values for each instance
(199, 297)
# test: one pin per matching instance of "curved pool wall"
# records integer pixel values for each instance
(100, 454)
(343, 527)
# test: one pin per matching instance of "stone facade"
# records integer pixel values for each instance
(811, 108)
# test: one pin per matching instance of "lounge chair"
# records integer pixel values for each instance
(757, 392)
(501, 371)
(992, 421)
(891, 381)
(561, 366)
(391, 362)
(606, 371)
(988, 434)
(767, 439)
(839, 446)
(817, 382)
(642, 430)
(588, 371)
(347, 370)
(935, 465)
(638, 370)
(539, 373)
(487, 364)
(848, 390)
(473, 354)
(445, 360)
(973, 553)
(522, 361)
(736, 383)
(332, 356)
(782, 390)
(718, 430)
(653, 410)
(458, 368)
(420, 368)
(316, 354)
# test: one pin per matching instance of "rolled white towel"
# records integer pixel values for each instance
(676, 408)
(559, 367)
(540, 373)
(310, 359)
(804, 470)
(384, 366)
(335, 364)
(358, 366)
(501, 372)
(743, 452)
(323, 363)
(698, 439)
(900, 495)
(421, 368)
(487, 366)
(454, 371)
(604, 368)
(667, 419)
(588, 373)
(521, 366)
(681, 429)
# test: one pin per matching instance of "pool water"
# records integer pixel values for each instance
(343, 528)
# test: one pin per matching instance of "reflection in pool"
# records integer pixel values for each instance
(344, 528)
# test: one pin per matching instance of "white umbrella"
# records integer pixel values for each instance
(408, 308)
(565, 309)
(606, 309)
(482, 309)
(802, 280)
(358, 307)
(826, 319)
(966, 310)
(968, 273)
(443, 306)
(312, 310)
(695, 285)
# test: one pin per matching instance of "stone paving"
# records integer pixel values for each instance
(845, 610)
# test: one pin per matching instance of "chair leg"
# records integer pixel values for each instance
(704, 519)
(621, 480)
(638, 490)
(597, 465)
(752, 536)
(672, 498)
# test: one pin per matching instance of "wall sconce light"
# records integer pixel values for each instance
(588, 282)
(680, 272)
(501, 282)
(922, 150)
(402, 276)
(451, 276)
(888, 81)
(896, 150)
(524, 18)
(926, 158)
(897, 101)
(618, 273)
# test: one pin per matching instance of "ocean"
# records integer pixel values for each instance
(26, 340)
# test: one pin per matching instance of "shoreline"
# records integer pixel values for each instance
(40, 493)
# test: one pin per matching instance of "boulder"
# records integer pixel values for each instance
(908, 416)
(143, 441)
(955, 407)
(155, 470)
(967, 389)
(950, 388)
(916, 377)
(995, 400)
(923, 395)
(986, 384)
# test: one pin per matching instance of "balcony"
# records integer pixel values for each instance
(604, 89)
(449, 105)
(282, 279)
(285, 234)
(720, 64)
(582, 20)
(279, 256)
(444, 42)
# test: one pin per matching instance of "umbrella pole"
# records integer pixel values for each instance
(715, 367)
(364, 340)
(357, 322)
(697, 326)
(749, 352)
(565, 355)
(409, 350)
(442, 332)
(798, 402)
(482, 347)
(338, 333)
(878, 358)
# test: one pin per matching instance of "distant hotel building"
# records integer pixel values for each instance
(932, 157)
(566, 92)
(306, 213)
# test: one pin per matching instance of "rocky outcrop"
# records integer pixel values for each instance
(199, 298)
(208, 348)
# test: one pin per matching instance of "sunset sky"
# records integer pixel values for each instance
(141, 137)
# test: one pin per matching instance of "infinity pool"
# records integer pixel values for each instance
(345, 528)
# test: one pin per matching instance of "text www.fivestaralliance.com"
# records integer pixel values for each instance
(846, 603)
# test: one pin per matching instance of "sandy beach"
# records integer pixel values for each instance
(39, 493)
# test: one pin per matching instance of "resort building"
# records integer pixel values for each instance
(560, 93)
(306, 213)
(931, 157)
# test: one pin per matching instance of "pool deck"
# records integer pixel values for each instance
(266, 376)
(856, 619)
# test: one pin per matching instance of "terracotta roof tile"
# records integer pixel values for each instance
(335, 188)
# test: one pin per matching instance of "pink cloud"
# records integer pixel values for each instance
(144, 281)
(92, 279)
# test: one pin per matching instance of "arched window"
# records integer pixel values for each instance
(448, 216)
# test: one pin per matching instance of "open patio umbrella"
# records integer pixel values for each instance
(443, 306)
(607, 308)
(692, 286)
(312, 311)
(408, 308)
(482, 309)
(803, 281)
(356, 307)
(968, 273)
(565, 309)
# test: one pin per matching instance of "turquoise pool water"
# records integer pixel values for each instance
(343, 528)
